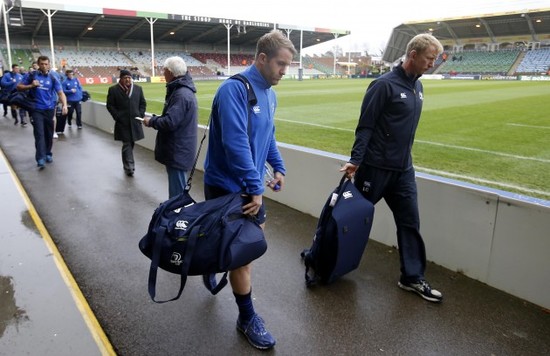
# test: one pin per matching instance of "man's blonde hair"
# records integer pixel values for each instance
(422, 42)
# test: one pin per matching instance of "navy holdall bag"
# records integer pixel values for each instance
(341, 236)
(204, 238)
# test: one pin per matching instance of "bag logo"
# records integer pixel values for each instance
(347, 194)
(181, 225)
(176, 258)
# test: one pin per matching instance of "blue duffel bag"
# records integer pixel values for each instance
(190, 238)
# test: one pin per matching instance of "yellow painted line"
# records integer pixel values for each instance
(95, 328)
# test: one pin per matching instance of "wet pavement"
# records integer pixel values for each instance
(96, 215)
(38, 314)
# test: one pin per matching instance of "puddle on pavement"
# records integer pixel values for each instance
(27, 220)
(10, 314)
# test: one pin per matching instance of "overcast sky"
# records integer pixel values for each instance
(370, 23)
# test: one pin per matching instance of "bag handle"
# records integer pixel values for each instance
(190, 249)
(210, 282)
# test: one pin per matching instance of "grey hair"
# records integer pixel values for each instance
(176, 65)
(422, 42)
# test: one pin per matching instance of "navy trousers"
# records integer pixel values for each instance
(399, 191)
(75, 106)
(42, 122)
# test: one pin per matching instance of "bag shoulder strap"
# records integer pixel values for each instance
(252, 100)
(250, 91)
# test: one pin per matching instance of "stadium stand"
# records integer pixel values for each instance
(323, 65)
(535, 62)
(479, 62)
(23, 57)
(106, 62)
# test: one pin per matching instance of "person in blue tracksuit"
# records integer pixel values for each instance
(9, 84)
(241, 141)
(381, 158)
(45, 88)
(73, 92)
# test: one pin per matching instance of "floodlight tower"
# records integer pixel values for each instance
(8, 45)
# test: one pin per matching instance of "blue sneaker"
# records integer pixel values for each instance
(40, 164)
(49, 159)
(256, 333)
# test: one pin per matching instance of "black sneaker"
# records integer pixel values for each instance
(423, 289)
(256, 334)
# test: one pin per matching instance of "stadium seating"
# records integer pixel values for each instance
(535, 62)
(324, 65)
(106, 62)
(22, 57)
(479, 62)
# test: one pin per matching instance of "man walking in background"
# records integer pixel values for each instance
(381, 156)
(176, 142)
(45, 88)
(125, 101)
(73, 91)
(9, 83)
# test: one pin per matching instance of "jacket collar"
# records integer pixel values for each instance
(181, 81)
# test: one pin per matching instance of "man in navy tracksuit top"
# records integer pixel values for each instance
(44, 88)
(381, 156)
(241, 141)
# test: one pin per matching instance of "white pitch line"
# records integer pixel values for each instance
(531, 126)
(482, 181)
(485, 151)
(432, 143)
(316, 125)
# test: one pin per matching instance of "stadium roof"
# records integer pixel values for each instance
(527, 26)
(121, 25)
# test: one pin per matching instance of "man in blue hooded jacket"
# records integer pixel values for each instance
(241, 141)
(176, 142)
(73, 92)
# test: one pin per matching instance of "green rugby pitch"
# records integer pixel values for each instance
(491, 133)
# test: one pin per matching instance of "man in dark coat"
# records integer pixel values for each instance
(125, 102)
(176, 142)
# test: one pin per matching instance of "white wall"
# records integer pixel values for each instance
(495, 237)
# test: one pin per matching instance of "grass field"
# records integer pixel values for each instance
(492, 133)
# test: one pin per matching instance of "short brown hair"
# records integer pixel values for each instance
(272, 42)
(42, 59)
